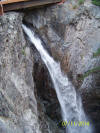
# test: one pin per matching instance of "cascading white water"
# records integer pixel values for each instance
(70, 103)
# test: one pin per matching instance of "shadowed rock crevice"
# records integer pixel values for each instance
(47, 101)
(45, 90)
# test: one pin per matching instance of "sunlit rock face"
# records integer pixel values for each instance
(73, 36)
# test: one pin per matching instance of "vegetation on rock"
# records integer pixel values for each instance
(96, 2)
(80, 2)
(97, 53)
(96, 69)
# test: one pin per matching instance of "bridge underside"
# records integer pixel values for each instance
(8, 5)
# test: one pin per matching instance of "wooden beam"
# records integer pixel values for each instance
(11, 1)
(1, 10)
(26, 4)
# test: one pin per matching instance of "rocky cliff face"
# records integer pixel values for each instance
(28, 100)
(18, 106)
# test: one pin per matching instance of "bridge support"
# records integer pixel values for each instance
(1, 9)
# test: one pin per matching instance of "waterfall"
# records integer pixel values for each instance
(70, 102)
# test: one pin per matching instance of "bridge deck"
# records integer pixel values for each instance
(19, 4)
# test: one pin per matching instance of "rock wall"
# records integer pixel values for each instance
(18, 106)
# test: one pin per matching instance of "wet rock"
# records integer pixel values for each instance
(45, 90)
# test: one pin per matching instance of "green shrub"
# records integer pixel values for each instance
(75, 6)
(80, 2)
(96, 2)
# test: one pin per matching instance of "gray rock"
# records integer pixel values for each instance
(18, 106)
